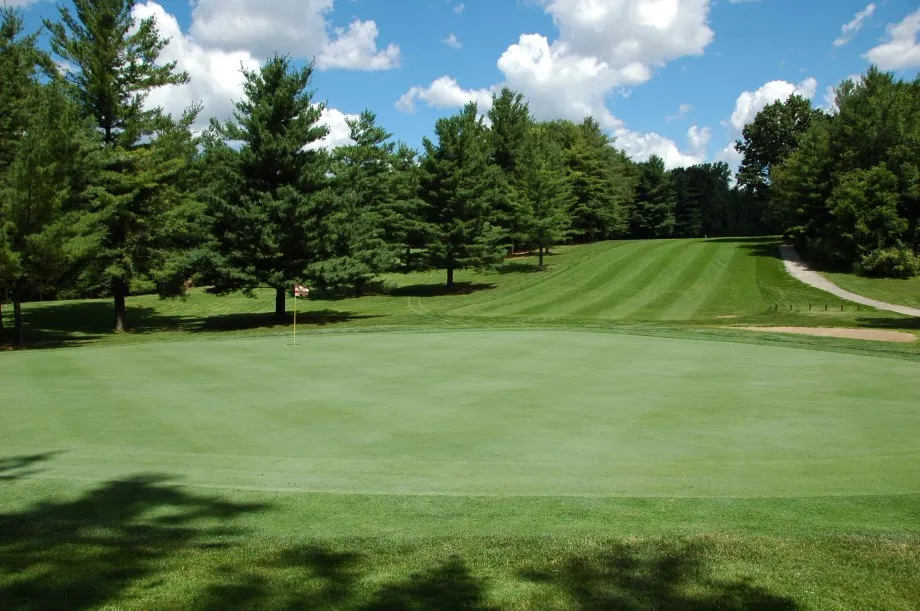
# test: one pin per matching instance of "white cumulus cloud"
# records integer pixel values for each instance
(749, 103)
(851, 28)
(356, 48)
(215, 76)
(901, 50)
(641, 146)
(444, 92)
(296, 27)
(339, 131)
(452, 41)
(603, 47)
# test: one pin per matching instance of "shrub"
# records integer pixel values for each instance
(895, 262)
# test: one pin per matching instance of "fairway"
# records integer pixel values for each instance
(473, 413)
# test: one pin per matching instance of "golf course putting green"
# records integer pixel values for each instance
(536, 413)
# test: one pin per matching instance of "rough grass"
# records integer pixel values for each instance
(584, 436)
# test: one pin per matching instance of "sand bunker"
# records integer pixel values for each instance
(870, 334)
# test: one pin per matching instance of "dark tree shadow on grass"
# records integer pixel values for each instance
(63, 324)
(69, 323)
(448, 586)
(437, 290)
(85, 553)
(652, 576)
(264, 320)
(894, 324)
(146, 542)
(313, 577)
(520, 267)
(757, 246)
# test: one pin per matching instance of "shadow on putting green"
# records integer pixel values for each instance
(19, 467)
(146, 541)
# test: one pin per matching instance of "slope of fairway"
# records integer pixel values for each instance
(463, 413)
(892, 290)
(678, 282)
(652, 280)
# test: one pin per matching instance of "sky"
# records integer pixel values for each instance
(676, 78)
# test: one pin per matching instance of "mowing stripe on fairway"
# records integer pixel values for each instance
(636, 260)
(683, 297)
(657, 279)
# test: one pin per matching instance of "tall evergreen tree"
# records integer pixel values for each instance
(459, 186)
(403, 218)
(652, 215)
(271, 203)
(21, 63)
(362, 182)
(510, 124)
(706, 204)
(116, 59)
(601, 180)
(42, 197)
(544, 191)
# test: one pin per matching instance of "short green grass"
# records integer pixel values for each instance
(587, 436)
(892, 290)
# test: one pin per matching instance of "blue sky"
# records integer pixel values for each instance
(678, 78)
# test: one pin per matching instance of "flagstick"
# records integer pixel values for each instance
(295, 316)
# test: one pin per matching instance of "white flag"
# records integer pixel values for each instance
(301, 291)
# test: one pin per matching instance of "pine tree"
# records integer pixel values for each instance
(47, 227)
(362, 180)
(510, 123)
(602, 183)
(21, 63)
(271, 201)
(117, 65)
(403, 218)
(544, 190)
(459, 186)
(653, 212)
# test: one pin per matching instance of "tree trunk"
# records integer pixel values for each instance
(408, 257)
(450, 275)
(541, 255)
(119, 292)
(19, 336)
(280, 304)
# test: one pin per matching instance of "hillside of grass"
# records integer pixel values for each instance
(892, 290)
(615, 285)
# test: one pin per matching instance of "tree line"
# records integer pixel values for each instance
(103, 195)
(844, 185)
